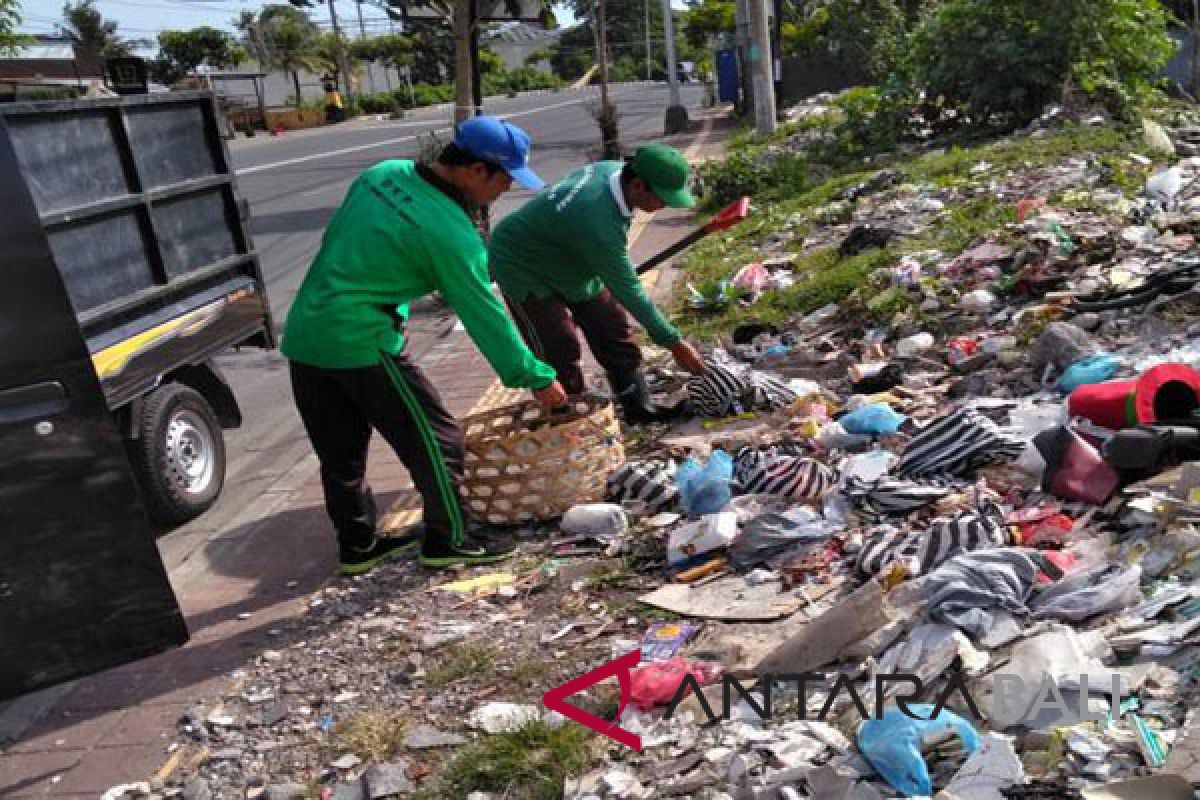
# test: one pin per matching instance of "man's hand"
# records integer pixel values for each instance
(688, 358)
(552, 396)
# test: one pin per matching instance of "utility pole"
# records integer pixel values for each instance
(476, 80)
(741, 46)
(362, 32)
(677, 116)
(340, 55)
(609, 141)
(646, 8)
(1196, 48)
(777, 46)
(760, 68)
(463, 94)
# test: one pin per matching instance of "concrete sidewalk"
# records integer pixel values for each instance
(236, 589)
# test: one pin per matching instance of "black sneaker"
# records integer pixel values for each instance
(353, 561)
(474, 549)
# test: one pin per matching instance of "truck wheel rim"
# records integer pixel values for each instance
(191, 456)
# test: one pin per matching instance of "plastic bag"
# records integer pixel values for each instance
(752, 277)
(893, 745)
(656, 683)
(712, 532)
(1087, 594)
(877, 418)
(1165, 184)
(1093, 369)
(706, 489)
(597, 520)
(914, 345)
(978, 301)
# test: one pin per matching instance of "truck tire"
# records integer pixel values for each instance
(179, 454)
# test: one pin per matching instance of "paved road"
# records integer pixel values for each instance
(293, 185)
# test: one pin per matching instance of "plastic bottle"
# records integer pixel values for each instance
(912, 345)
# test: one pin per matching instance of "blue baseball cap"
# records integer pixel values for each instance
(492, 139)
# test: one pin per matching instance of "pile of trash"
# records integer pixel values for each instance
(972, 530)
(955, 554)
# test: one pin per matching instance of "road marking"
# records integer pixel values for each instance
(339, 184)
(395, 140)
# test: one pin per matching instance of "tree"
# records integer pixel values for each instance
(538, 56)
(290, 42)
(1015, 56)
(433, 54)
(180, 52)
(393, 50)
(10, 18)
(864, 38)
(490, 62)
(91, 34)
(625, 26)
(706, 19)
(574, 53)
(330, 48)
(247, 24)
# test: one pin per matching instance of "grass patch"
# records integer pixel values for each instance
(459, 662)
(953, 167)
(372, 735)
(529, 763)
(529, 672)
(824, 277)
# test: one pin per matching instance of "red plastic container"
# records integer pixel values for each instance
(1167, 393)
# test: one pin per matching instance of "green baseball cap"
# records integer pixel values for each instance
(666, 171)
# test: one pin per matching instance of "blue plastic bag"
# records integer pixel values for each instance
(706, 489)
(1086, 371)
(893, 745)
(875, 419)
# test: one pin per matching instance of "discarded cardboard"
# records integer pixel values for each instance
(824, 640)
(729, 598)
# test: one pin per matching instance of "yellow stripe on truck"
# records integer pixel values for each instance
(112, 360)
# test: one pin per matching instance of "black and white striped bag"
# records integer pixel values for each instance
(884, 548)
(982, 529)
(719, 392)
(895, 496)
(969, 531)
(781, 474)
(649, 484)
(956, 445)
(729, 389)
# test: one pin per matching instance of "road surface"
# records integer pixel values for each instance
(293, 185)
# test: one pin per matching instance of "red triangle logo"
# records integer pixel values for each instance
(556, 698)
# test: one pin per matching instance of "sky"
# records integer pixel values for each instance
(143, 19)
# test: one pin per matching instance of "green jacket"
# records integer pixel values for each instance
(398, 237)
(571, 241)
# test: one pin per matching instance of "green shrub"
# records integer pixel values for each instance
(862, 37)
(753, 171)
(1012, 57)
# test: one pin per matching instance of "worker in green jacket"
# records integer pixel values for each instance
(402, 232)
(563, 263)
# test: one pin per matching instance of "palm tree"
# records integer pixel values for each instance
(289, 40)
(91, 34)
(247, 25)
(329, 49)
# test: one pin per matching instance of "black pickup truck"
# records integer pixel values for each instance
(125, 267)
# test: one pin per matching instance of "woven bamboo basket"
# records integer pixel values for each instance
(525, 465)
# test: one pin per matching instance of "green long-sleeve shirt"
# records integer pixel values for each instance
(396, 238)
(571, 240)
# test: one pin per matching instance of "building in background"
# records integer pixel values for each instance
(48, 68)
(515, 42)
